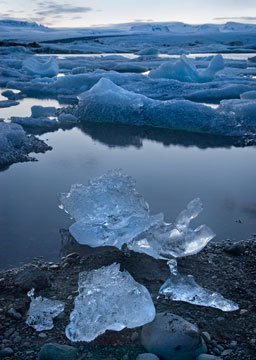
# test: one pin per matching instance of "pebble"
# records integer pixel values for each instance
(220, 319)
(235, 249)
(14, 314)
(233, 344)
(206, 336)
(243, 311)
(207, 357)
(9, 332)
(134, 336)
(6, 352)
(57, 352)
(226, 352)
(42, 335)
(147, 356)
(216, 350)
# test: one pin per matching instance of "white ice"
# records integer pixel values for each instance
(180, 287)
(108, 300)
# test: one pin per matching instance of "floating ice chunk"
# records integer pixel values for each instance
(33, 66)
(128, 67)
(42, 111)
(37, 122)
(148, 52)
(15, 144)
(108, 300)
(248, 95)
(106, 102)
(165, 240)
(42, 311)
(8, 103)
(180, 287)
(109, 211)
(67, 119)
(185, 70)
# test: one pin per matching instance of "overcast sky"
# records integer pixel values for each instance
(78, 13)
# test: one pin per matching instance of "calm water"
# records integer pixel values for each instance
(171, 168)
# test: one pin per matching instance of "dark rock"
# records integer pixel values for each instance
(57, 352)
(171, 337)
(235, 249)
(32, 277)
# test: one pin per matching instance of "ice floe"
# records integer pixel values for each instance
(107, 102)
(15, 145)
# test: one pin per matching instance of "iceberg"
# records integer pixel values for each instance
(108, 300)
(107, 102)
(42, 311)
(110, 103)
(49, 68)
(110, 212)
(184, 70)
(180, 287)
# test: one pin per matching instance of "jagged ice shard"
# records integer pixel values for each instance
(180, 287)
(108, 300)
(42, 311)
(109, 211)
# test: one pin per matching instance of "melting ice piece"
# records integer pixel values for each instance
(42, 311)
(180, 287)
(167, 240)
(108, 300)
(109, 211)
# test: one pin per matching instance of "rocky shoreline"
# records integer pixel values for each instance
(224, 267)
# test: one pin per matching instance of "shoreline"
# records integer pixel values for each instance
(221, 267)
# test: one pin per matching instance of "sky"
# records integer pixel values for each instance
(83, 13)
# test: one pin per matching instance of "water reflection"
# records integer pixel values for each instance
(115, 135)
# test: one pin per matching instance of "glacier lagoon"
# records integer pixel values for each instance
(170, 168)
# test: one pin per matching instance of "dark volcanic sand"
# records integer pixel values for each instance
(234, 276)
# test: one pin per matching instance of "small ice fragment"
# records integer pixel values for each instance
(42, 311)
(108, 300)
(180, 287)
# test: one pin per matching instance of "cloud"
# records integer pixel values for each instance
(247, 18)
(50, 8)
